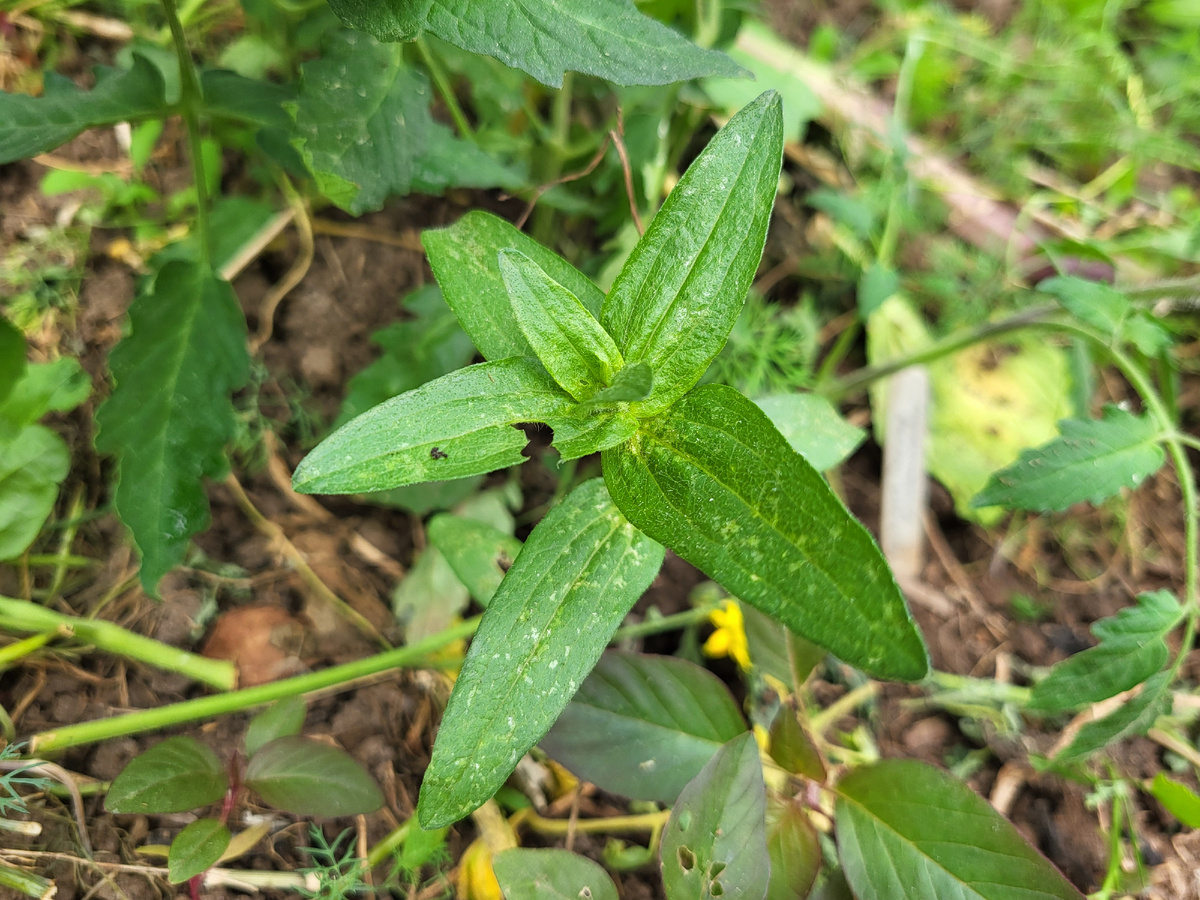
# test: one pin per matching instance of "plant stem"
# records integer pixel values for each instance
(442, 84)
(666, 623)
(856, 381)
(20, 615)
(642, 822)
(191, 99)
(236, 701)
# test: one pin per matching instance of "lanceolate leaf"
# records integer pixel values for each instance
(546, 38)
(465, 261)
(644, 726)
(174, 775)
(1091, 460)
(715, 843)
(577, 576)
(364, 129)
(170, 415)
(32, 125)
(1136, 716)
(478, 553)
(570, 343)
(309, 778)
(195, 849)
(1178, 799)
(907, 831)
(679, 294)
(551, 875)
(716, 482)
(455, 426)
(1132, 648)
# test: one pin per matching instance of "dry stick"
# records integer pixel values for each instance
(259, 242)
(618, 138)
(583, 173)
(293, 276)
(406, 240)
(61, 775)
(244, 880)
(280, 541)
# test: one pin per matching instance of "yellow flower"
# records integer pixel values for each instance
(730, 637)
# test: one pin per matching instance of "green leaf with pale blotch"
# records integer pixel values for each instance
(1091, 459)
(283, 717)
(465, 261)
(907, 831)
(1135, 717)
(551, 875)
(174, 775)
(570, 343)
(644, 726)
(715, 843)
(363, 127)
(716, 482)
(1132, 648)
(811, 424)
(196, 849)
(584, 433)
(678, 295)
(577, 576)
(795, 852)
(33, 125)
(310, 778)
(478, 553)
(546, 38)
(1178, 799)
(170, 415)
(458, 425)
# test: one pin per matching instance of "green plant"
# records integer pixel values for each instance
(293, 773)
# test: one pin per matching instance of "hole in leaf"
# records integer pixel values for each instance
(586, 893)
(715, 889)
(687, 860)
(715, 870)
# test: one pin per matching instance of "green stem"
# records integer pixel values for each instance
(191, 99)
(837, 352)
(237, 701)
(20, 649)
(20, 615)
(28, 883)
(666, 623)
(708, 22)
(856, 381)
(445, 91)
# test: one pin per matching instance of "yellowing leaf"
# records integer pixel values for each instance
(476, 880)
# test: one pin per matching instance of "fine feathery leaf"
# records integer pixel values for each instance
(610, 39)
(455, 426)
(716, 482)
(528, 874)
(1132, 648)
(577, 576)
(363, 127)
(907, 831)
(1092, 459)
(33, 125)
(465, 261)
(644, 726)
(309, 778)
(676, 299)
(570, 343)
(715, 843)
(170, 414)
(174, 775)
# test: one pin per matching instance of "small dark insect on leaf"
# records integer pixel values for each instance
(435, 453)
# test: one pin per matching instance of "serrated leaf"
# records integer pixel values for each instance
(577, 576)
(581, 434)
(678, 295)
(283, 717)
(478, 553)
(309, 778)
(716, 482)
(174, 775)
(169, 416)
(813, 428)
(33, 463)
(363, 127)
(644, 726)
(465, 261)
(570, 343)
(196, 849)
(457, 425)
(33, 125)
(715, 843)
(907, 831)
(551, 875)
(1135, 717)
(795, 853)
(547, 38)
(12, 357)
(1178, 799)
(1132, 648)
(1091, 460)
